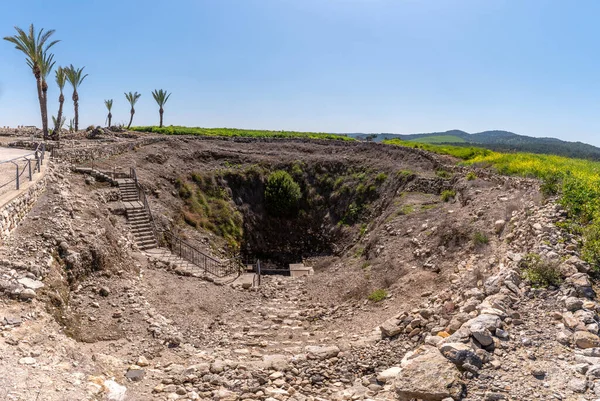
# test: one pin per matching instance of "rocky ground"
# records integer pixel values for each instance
(86, 316)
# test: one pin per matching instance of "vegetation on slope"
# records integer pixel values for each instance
(499, 141)
(439, 139)
(234, 132)
(462, 152)
(576, 180)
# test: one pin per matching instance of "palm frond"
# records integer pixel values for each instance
(33, 46)
(108, 103)
(61, 78)
(161, 96)
(74, 76)
(132, 98)
(46, 64)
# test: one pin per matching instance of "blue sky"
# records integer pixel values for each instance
(403, 66)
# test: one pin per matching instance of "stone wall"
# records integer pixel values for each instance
(15, 210)
(98, 151)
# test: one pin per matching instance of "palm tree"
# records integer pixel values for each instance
(75, 78)
(58, 123)
(108, 103)
(161, 98)
(61, 79)
(132, 98)
(46, 64)
(35, 48)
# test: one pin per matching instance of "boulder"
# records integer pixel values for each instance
(389, 374)
(481, 334)
(488, 321)
(462, 356)
(499, 226)
(573, 304)
(390, 328)
(428, 375)
(322, 351)
(582, 285)
(585, 339)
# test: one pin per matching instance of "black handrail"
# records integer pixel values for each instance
(180, 247)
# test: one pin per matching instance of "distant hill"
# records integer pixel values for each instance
(496, 140)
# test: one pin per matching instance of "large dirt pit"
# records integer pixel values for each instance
(370, 217)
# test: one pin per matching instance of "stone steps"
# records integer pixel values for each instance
(137, 217)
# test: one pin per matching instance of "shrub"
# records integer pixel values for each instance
(443, 174)
(381, 177)
(405, 209)
(551, 184)
(591, 244)
(282, 194)
(448, 194)
(471, 176)
(378, 295)
(539, 272)
(480, 238)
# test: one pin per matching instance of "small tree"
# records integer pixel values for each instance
(161, 98)
(61, 80)
(132, 98)
(35, 48)
(282, 194)
(58, 124)
(108, 103)
(75, 77)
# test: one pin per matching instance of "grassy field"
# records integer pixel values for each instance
(234, 132)
(439, 139)
(462, 152)
(576, 180)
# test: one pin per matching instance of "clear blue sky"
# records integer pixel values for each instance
(403, 66)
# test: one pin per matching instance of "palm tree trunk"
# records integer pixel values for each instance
(131, 119)
(45, 108)
(61, 101)
(109, 118)
(161, 111)
(38, 78)
(76, 107)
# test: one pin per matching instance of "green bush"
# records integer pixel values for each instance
(443, 174)
(539, 272)
(381, 177)
(471, 176)
(551, 184)
(591, 244)
(282, 194)
(378, 295)
(448, 194)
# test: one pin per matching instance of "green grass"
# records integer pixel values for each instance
(378, 295)
(480, 238)
(234, 132)
(462, 152)
(439, 139)
(447, 195)
(575, 181)
(471, 176)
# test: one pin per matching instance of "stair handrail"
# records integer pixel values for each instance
(144, 200)
(180, 247)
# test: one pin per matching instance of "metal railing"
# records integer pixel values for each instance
(38, 153)
(182, 248)
(142, 197)
(198, 258)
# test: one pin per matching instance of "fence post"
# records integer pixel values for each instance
(258, 268)
(29, 166)
(17, 166)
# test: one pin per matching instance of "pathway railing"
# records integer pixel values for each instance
(184, 249)
(28, 165)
